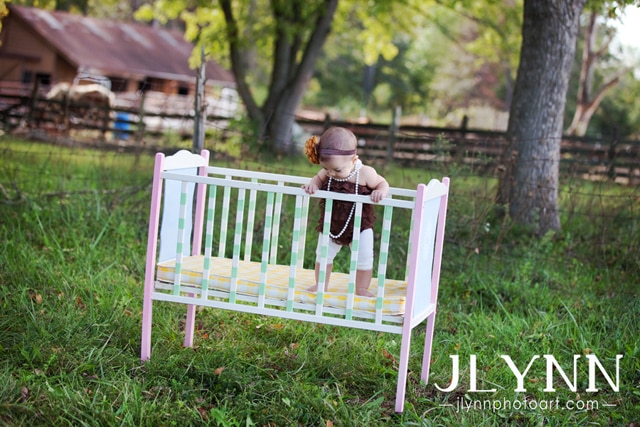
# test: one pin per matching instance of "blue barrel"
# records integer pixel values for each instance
(122, 124)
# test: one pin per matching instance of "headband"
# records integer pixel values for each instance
(313, 151)
(335, 152)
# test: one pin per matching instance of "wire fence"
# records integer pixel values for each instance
(600, 218)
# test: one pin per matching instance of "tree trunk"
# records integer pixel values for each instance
(294, 61)
(529, 185)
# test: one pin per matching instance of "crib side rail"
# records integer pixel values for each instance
(292, 190)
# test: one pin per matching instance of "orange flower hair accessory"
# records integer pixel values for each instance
(311, 150)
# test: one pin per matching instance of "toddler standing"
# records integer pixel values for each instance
(343, 172)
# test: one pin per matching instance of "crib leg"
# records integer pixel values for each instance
(428, 345)
(189, 326)
(145, 347)
(403, 368)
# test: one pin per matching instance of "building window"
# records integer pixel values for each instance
(144, 85)
(119, 84)
(44, 79)
(183, 90)
(27, 76)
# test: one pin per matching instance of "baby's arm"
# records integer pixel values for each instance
(377, 183)
(315, 183)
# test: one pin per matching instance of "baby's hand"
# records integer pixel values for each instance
(310, 188)
(377, 195)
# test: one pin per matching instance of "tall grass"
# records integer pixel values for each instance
(73, 230)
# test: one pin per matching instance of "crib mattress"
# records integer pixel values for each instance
(277, 280)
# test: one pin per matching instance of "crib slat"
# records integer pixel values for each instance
(211, 213)
(266, 242)
(224, 221)
(237, 241)
(304, 219)
(407, 265)
(383, 259)
(353, 266)
(251, 214)
(324, 250)
(276, 226)
(181, 237)
(295, 241)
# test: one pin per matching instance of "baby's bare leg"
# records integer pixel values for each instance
(363, 280)
(314, 288)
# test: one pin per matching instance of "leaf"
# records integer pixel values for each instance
(203, 414)
(388, 355)
(219, 370)
(24, 394)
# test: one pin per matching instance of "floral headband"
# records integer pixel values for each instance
(313, 152)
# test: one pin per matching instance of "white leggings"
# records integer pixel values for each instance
(365, 251)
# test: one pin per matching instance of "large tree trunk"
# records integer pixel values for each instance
(529, 185)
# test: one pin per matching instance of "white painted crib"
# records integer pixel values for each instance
(215, 240)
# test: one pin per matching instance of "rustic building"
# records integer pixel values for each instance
(51, 47)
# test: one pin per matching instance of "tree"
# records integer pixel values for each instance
(293, 65)
(588, 97)
(493, 40)
(342, 78)
(290, 34)
(529, 184)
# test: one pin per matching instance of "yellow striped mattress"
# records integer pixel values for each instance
(277, 283)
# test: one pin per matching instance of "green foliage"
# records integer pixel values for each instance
(616, 115)
(3, 12)
(74, 230)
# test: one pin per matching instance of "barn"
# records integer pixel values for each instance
(41, 48)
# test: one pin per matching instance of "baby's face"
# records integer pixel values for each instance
(338, 166)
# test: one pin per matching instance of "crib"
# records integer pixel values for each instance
(216, 240)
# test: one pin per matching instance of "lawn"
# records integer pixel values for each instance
(519, 315)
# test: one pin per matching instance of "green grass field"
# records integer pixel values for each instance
(73, 233)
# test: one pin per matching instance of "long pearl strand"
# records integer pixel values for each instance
(356, 172)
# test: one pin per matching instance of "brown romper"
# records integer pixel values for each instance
(341, 210)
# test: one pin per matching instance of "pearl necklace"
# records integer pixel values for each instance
(356, 172)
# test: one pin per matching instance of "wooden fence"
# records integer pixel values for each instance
(590, 158)
(132, 118)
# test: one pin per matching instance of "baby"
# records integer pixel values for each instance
(343, 172)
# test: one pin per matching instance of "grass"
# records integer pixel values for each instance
(73, 229)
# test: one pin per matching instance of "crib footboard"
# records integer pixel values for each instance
(244, 241)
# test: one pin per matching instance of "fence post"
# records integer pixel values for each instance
(140, 130)
(393, 131)
(32, 103)
(611, 155)
(327, 122)
(199, 119)
(460, 144)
